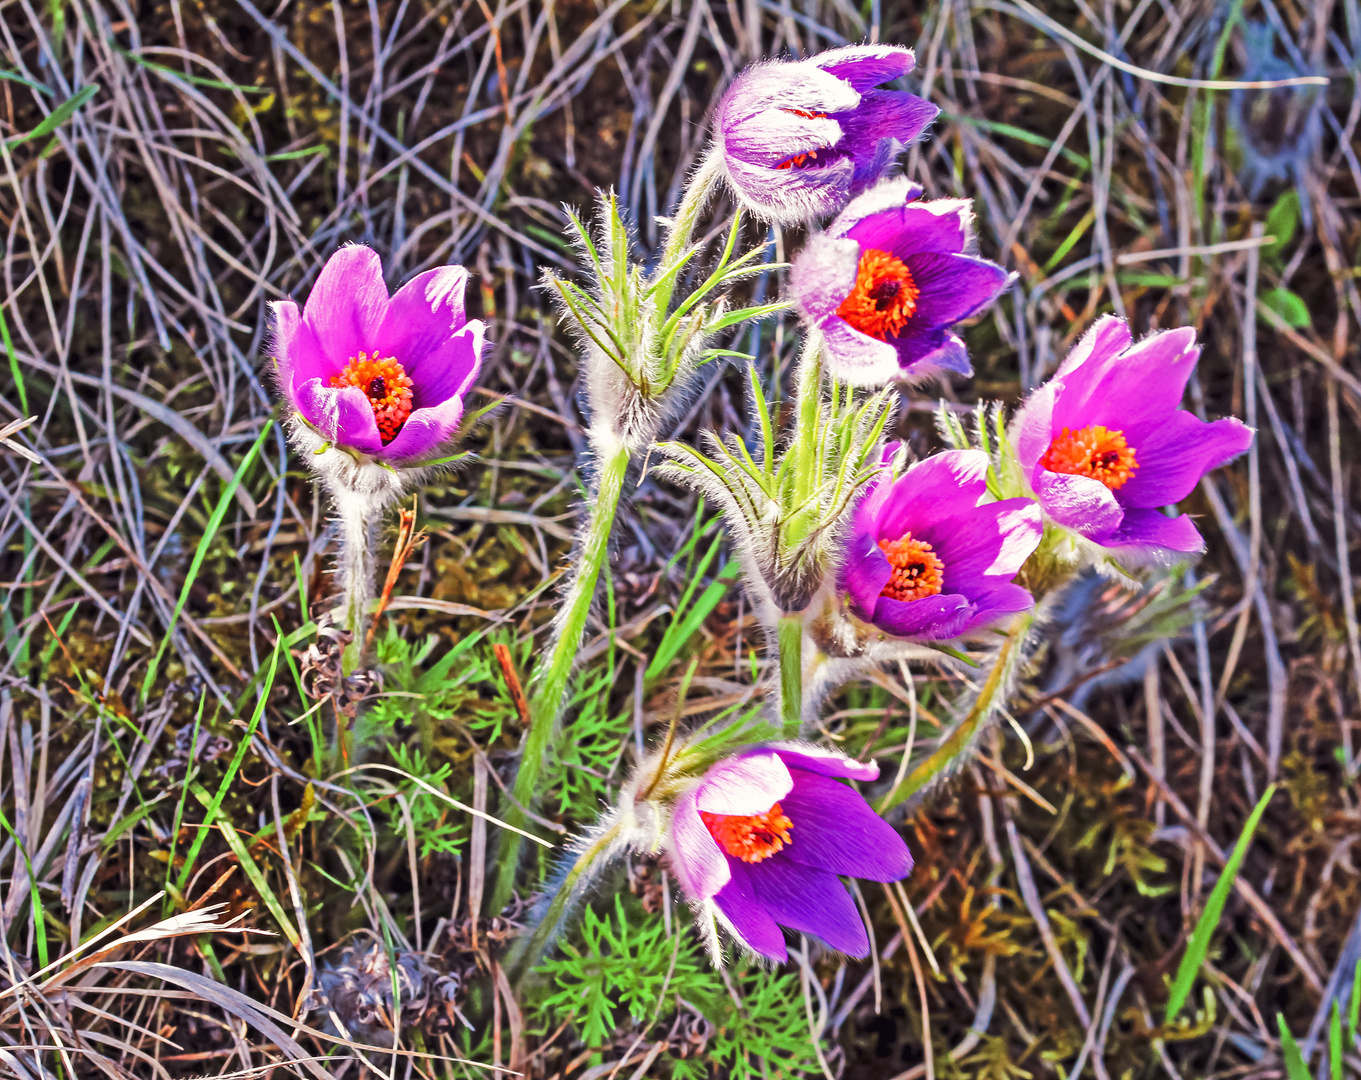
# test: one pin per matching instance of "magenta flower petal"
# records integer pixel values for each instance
(904, 227)
(699, 863)
(866, 573)
(347, 304)
(913, 282)
(798, 138)
(1142, 530)
(382, 377)
(424, 431)
(975, 547)
(953, 479)
(1105, 442)
(811, 901)
(424, 317)
(816, 759)
(838, 832)
(1108, 336)
(1178, 454)
(1005, 599)
(749, 916)
(866, 66)
(932, 618)
(1031, 438)
(343, 415)
(763, 835)
(749, 784)
(1079, 503)
(1115, 389)
(993, 540)
(954, 287)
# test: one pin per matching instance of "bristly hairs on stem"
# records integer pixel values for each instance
(639, 352)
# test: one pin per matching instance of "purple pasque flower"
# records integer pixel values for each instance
(384, 376)
(926, 561)
(886, 281)
(1105, 443)
(763, 835)
(797, 138)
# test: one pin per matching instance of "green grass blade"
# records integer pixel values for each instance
(1199, 944)
(1295, 1068)
(1335, 1043)
(13, 364)
(219, 512)
(57, 116)
(683, 629)
(210, 814)
(252, 870)
(1354, 1005)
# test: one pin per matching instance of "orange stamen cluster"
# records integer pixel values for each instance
(387, 386)
(1092, 451)
(750, 838)
(884, 296)
(799, 161)
(917, 570)
(806, 114)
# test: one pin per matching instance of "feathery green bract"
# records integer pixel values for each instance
(1199, 944)
(782, 510)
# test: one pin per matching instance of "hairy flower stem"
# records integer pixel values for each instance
(357, 519)
(951, 752)
(546, 700)
(529, 949)
(790, 633)
(696, 197)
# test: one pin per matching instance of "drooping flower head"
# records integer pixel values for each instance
(378, 375)
(1105, 443)
(798, 138)
(925, 561)
(762, 836)
(888, 279)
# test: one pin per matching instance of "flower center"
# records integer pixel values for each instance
(884, 296)
(1092, 451)
(917, 570)
(750, 838)
(387, 386)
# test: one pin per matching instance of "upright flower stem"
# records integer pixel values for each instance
(547, 697)
(790, 633)
(692, 204)
(551, 686)
(357, 524)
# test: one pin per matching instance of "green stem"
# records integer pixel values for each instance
(692, 204)
(527, 950)
(952, 749)
(790, 633)
(546, 701)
